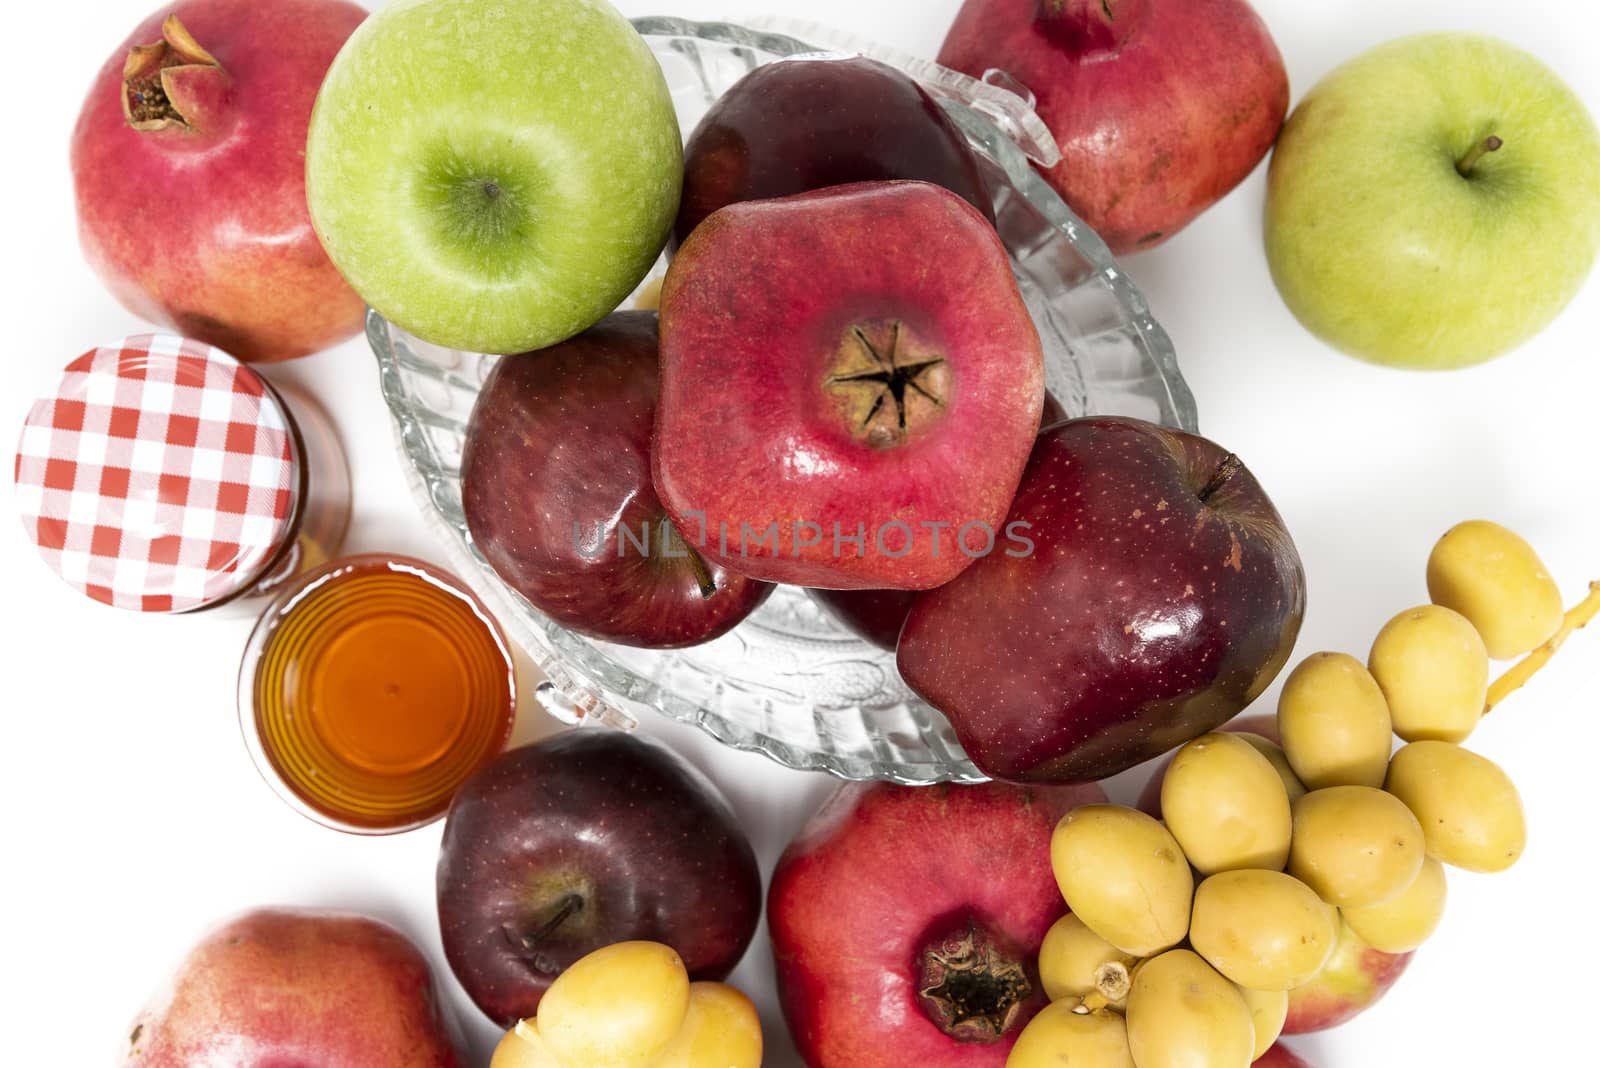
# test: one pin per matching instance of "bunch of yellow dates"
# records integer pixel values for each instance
(631, 1005)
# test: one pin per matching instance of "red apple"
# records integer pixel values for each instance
(874, 616)
(189, 164)
(1161, 595)
(1160, 106)
(1352, 981)
(555, 485)
(276, 988)
(1280, 1056)
(1052, 412)
(910, 918)
(850, 384)
(587, 838)
(807, 124)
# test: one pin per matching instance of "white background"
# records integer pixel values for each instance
(134, 818)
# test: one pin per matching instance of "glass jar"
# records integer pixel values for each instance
(371, 689)
(163, 475)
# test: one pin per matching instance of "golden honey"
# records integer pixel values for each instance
(372, 689)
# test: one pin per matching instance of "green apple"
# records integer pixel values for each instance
(494, 175)
(1434, 202)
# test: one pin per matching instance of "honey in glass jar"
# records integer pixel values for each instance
(371, 689)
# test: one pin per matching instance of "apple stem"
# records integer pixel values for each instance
(565, 910)
(671, 535)
(1229, 466)
(1478, 151)
(1524, 669)
(702, 574)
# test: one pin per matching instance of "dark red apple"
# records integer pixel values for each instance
(1052, 413)
(1161, 594)
(555, 483)
(586, 838)
(1350, 983)
(804, 124)
(189, 164)
(872, 615)
(910, 918)
(1160, 106)
(850, 384)
(279, 987)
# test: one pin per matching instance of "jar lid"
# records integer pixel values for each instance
(161, 475)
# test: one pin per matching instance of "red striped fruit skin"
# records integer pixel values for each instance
(1280, 1056)
(204, 226)
(1352, 981)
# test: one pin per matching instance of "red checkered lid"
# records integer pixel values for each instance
(162, 474)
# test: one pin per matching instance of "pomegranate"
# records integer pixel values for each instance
(909, 919)
(189, 165)
(1160, 106)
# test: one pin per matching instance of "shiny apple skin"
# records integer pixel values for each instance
(1350, 983)
(638, 833)
(206, 229)
(1160, 106)
(557, 463)
(279, 986)
(805, 124)
(753, 310)
(875, 868)
(1142, 618)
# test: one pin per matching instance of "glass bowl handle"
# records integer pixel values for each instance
(1012, 110)
(577, 704)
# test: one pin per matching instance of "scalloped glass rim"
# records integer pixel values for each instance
(1011, 111)
(592, 684)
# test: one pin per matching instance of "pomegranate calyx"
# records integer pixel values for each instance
(178, 38)
(972, 988)
(171, 82)
(889, 384)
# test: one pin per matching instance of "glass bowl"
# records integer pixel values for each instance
(789, 682)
